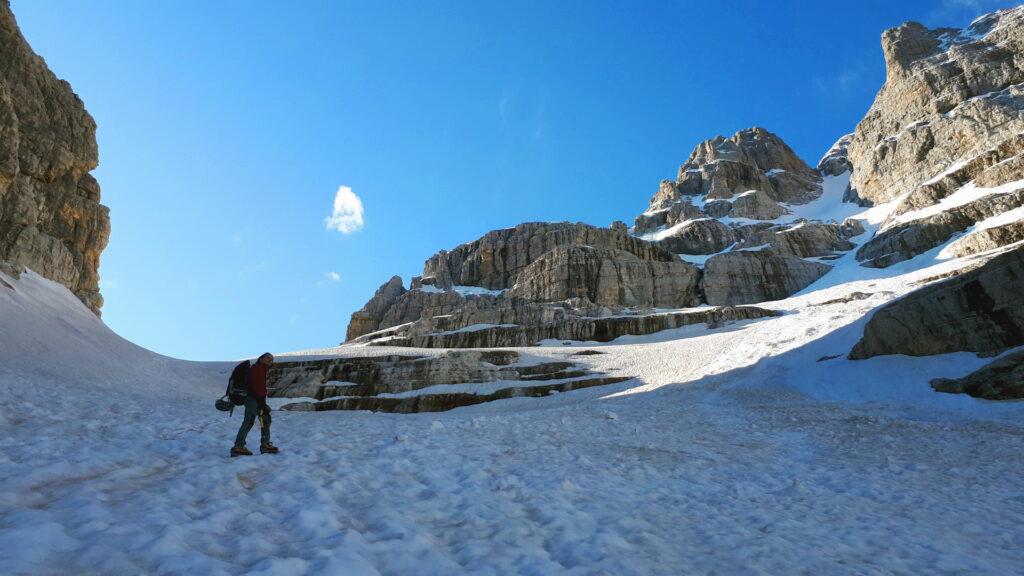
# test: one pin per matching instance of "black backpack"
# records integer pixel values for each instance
(238, 388)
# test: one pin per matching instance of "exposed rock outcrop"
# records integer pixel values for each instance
(803, 240)
(701, 236)
(390, 383)
(542, 322)
(908, 239)
(752, 159)
(756, 205)
(837, 160)
(746, 277)
(978, 311)
(370, 316)
(50, 216)
(496, 259)
(1000, 380)
(988, 239)
(948, 95)
(608, 278)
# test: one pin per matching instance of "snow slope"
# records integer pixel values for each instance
(755, 448)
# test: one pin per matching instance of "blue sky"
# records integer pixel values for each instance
(227, 128)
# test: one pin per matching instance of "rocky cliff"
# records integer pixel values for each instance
(735, 199)
(745, 220)
(51, 219)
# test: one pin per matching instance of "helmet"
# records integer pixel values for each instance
(223, 404)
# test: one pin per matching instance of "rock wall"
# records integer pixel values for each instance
(50, 216)
(949, 94)
(978, 311)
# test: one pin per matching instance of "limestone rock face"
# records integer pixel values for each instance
(948, 96)
(50, 216)
(703, 236)
(906, 240)
(756, 276)
(556, 323)
(495, 260)
(756, 205)
(988, 239)
(1000, 380)
(609, 267)
(752, 159)
(804, 240)
(608, 278)
(667, 217)
(978, 311)
(369, 317)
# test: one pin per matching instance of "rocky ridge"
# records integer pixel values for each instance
(51, 219)
(746, 221)
(563, 281)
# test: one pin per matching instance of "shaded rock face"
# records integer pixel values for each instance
(388, 383)
(608, 278)
(50, 216)
(837, 160)
(949, 95)
(978, 311)
(747, 277)
(1000, 380)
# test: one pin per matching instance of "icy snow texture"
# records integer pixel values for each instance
(735, 451)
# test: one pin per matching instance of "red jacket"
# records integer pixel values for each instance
(258, 380)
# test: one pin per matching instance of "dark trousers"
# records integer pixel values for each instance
(254, 409)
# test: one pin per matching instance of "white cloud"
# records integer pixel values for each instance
(347, 216)
(329, 277)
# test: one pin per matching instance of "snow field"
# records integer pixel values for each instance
(754, 448)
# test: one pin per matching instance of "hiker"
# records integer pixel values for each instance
(256, 406)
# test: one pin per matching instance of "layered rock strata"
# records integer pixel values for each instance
(566, 326)
(746, 277)
(392, 383)
(51, 219)
(948, 95)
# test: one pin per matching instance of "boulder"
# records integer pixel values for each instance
(1000, 380)
(977, 311)
(51, 219)
(746, 277)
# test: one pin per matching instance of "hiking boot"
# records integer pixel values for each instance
(268, 448)
(240, 451)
